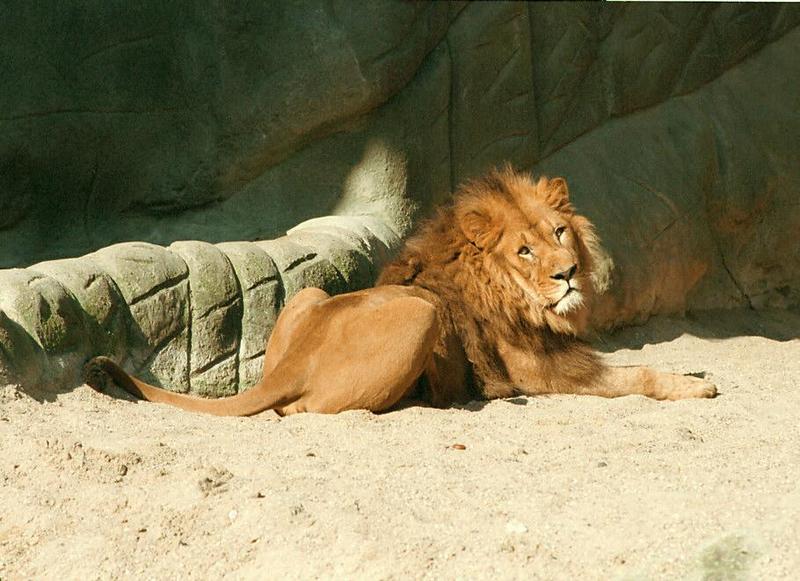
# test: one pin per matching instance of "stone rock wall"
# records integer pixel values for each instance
(676, 126)
(194, 316)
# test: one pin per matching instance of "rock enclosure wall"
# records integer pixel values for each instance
(676, 126)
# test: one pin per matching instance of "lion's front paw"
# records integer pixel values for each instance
(676, 386)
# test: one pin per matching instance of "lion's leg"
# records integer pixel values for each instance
(580, 371)
(362, 350)
(372, 357)
(289, 322)
(619, 381)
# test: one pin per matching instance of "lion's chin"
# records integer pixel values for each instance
(571, 301)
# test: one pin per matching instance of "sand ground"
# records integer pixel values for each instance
(561, 487)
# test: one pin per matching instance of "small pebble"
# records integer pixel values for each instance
(458, 447)
(516, 527)
(232, 515)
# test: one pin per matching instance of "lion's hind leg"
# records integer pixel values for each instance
(290, 323)
(372, 356)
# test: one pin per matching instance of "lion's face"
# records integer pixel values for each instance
(530, 238)
(541, 254)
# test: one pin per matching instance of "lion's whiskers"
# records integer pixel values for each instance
(572, 300)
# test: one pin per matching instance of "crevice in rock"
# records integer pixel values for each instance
(230, 302)
(92, 280)
(735, 282)
(161, 345)
(160, 208)
(123, 306)
(162, 286)
(671, 223)
(405, 35)
(255, 355)
(217, 360)
(662, 197)
(672, 97)
(280, 302)
(189, 328)
(39, 114)
(716, 169)
(696, 41)
(300, 260)
(125, 42)
(85, 345)
(513, 136)
(450, 109)
(262, 282)
(239, 327)
(722, 72)
(536, 115)
(262, 161)
(502, 71)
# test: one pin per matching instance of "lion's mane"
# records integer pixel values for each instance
(478, 301)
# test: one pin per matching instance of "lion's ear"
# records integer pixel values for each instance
(480, 228)
(556, 193)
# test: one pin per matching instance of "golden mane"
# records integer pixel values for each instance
(449, 256)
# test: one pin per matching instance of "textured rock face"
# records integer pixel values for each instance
(675, 125)
(194, 317)
(167, 122)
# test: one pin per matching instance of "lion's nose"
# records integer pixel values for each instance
(565, 274)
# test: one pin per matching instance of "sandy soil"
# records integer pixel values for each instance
(560, 487)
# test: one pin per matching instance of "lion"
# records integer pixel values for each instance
(487, 300)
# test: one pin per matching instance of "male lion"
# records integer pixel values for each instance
(485, 301)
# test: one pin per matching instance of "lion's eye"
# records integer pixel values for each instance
(524, 251)
(560, 231)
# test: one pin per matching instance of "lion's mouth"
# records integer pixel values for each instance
(569, 301)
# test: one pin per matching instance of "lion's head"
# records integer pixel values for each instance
(537, 249)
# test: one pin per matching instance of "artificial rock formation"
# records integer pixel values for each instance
(193, 316)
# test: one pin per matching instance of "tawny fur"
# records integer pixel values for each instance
(487, 300)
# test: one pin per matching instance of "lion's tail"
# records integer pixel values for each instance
(256, 399)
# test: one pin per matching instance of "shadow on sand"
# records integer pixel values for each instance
(774, 324)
